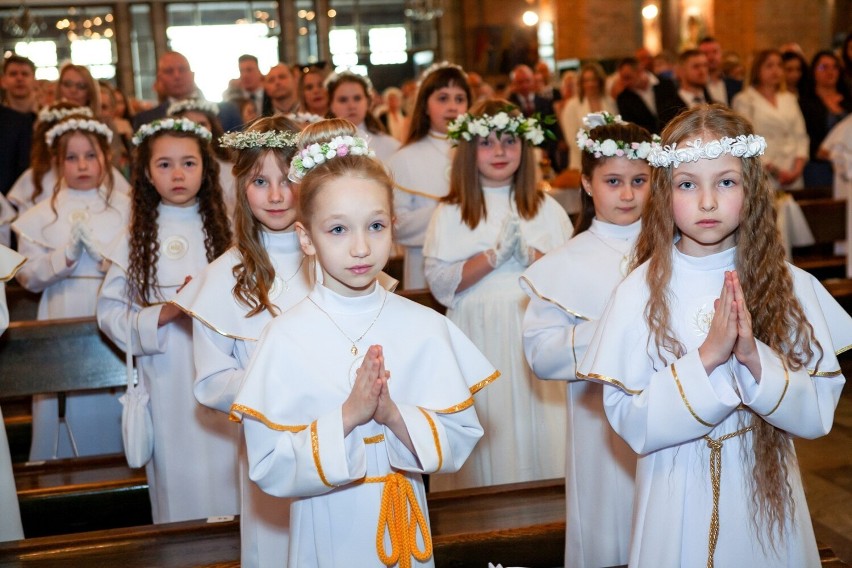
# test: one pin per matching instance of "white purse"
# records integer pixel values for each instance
(137, 428)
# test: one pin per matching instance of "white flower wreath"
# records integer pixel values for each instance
(48, 114)
(172, 124)
(71, 124)
(608, 147)
(254, 139)
(743, 146)
(317, 154)
(467, 126)
(185, 105)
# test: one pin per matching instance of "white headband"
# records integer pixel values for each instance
(87, 124)
(743, 146)
(185, 105)
(316, 154)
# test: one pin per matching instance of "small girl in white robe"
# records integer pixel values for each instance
(421, 167)
(715, 353)
(179, 225)
(568, 291)
(64, 239)
(354, 393)
(10, 520)
(493, 224)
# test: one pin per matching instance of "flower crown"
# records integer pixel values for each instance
(255, 139)
(303, 117)
(608, 147)
(71, 124)
(171, 124)
(48, 114)
(467, 126)
(316, 154)
(743, 146)
(192, 104)
(437, 67)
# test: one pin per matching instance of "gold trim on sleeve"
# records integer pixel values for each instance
(456, 408)
(238, 409)
(843, 350)
(815, 373)
(192, 314)
(683, 397)
(418, 193)
(315, 450)
(784, 392)
(15, 269)
(484, 382)
(552, 301)
(608, 380)
(436, 437)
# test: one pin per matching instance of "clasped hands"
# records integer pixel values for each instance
(82, 239)
(511, 243)
(370, 398)
(730, 331)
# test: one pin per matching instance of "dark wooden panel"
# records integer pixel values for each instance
(57, 356)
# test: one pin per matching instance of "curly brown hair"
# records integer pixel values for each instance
(254, 274)
(778, 318)
(144, 241)
(465, 186)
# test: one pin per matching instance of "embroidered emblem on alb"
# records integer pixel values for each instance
(78, 216)
(175, 247)
(702, 319)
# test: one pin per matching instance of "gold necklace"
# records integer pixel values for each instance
(354, 349)
(625, 261)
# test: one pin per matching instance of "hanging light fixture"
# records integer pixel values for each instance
(424, 10)
(23, 25)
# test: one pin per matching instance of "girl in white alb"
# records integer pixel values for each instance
(421, 167)
(568, 289)
(354, 393)
(38, 182)
(64, 239)
(715, 353)
(493, 224)
(10, 520)
(179, 225)
(349, 98)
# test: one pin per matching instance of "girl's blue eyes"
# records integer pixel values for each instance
(377, 226)
(260, 182)
(336, 230)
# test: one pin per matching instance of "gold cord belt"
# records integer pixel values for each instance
(716, 481)
(400, 515)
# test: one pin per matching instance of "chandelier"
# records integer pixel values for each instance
(423, 10)
(23, 25)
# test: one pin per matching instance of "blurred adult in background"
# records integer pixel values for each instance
(795, 71)
(16, 135)
(281, 91)
(18, 82)
(647, 100)
(722, 89)
(544, 82)
(121, 130)
(664, 65)
(392, 117)
(524, 95)
(249, 85)
(825, 101)
(77, 86)
(349, 96)
(45, 93)
(846, 56)
(313, 96)
(693, 75)
(591, 97)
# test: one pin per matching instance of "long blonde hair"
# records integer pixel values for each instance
(778, 318)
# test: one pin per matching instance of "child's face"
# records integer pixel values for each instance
(707, 201)
(176, 169)
(350, 233)
(315, 94)
(619, 189)
(498, 158)
(82, 165)
(444, 106)
(350, 102)
(270, 197)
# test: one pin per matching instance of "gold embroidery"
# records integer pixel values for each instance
(377, 439)
(716, 482)
(843, 350)
(436, 437)
(784, 392)
(237, 409)
(484, 382)
(815, 373)
(401, 514)
(609, 380)
(418, 193)
(685, 401)
(552, 301)
(315, 450)
(456, 408)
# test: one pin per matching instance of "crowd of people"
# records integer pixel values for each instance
(235, 252)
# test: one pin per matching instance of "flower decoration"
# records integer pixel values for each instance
(743, 146)
(303, 117)
(529, 129)
(173, 125)
(438, 66)
(185, 105)
(48, 114)
(608, 148)
(317, 154)
(255, 139)
(87, 124)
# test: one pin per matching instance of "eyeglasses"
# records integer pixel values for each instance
(827, 67)
(68, 84)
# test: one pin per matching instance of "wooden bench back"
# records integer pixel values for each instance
(826, 218)
(57, 356)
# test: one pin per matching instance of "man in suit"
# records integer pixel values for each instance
(722, 89)
(281, 88)
(524, 95)
(17, 118)
(18, 82)
(693, 75)
(249, 85)
(176, 81)
(649, 101)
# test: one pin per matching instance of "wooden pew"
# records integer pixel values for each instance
(23, 304)
(424, 297)
(827, 220)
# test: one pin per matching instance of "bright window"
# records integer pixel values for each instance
(387, 45)
(343, 44)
